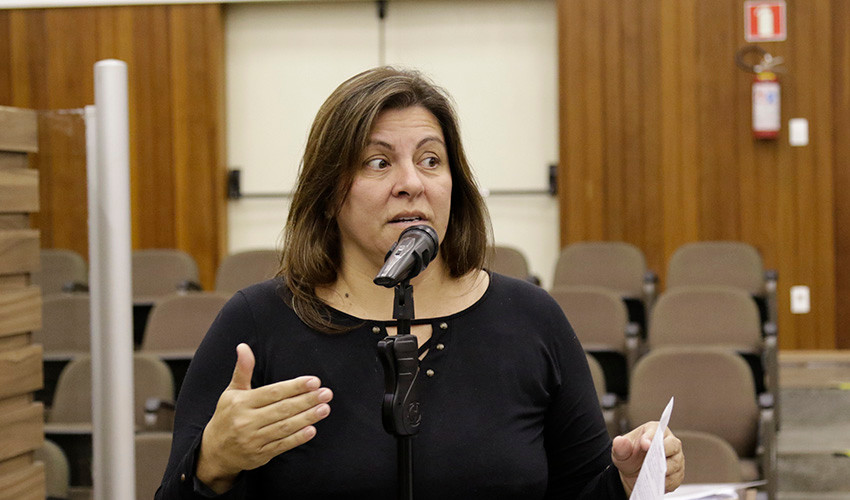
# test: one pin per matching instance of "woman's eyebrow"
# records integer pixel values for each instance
(428, 139)
(373, 142)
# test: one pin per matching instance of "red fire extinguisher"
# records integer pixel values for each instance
(767, 118)
(766, 97)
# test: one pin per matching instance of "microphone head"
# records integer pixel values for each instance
(410, 255)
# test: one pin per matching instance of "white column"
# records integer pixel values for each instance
(107, 136)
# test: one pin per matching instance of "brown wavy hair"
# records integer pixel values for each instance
(339, 135)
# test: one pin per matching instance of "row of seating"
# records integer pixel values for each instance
(151, 450)
(68, 425)
(157, 272)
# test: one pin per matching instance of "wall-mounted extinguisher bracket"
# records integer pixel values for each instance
(766, 96)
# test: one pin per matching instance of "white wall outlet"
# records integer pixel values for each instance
(800, 299)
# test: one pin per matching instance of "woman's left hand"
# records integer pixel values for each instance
(628, 452)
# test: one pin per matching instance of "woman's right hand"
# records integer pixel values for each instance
(252, 426)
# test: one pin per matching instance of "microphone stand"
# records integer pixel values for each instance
(401, 412)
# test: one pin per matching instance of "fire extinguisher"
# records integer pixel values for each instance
(767, 118)
(766, 96)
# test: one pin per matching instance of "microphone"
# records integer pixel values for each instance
(415, 249)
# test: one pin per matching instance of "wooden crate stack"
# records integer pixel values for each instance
(21, 419)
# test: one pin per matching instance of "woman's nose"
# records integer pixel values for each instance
(408, 180)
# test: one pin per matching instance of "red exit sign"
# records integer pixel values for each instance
(765, 21)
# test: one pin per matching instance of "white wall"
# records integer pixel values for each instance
(497, 58)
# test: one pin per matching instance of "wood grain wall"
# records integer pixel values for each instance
(175, 63)
(21, 419)
(657, 149)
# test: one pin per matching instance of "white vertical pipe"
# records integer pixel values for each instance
(110, 285)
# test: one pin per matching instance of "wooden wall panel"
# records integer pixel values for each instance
(21, 420)
(692, 170)
(175, 67)
(26, 483)
(841, 172)
(20, 311)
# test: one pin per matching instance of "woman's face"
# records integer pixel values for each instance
(403, 180)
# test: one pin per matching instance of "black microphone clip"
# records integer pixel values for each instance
(401, 412)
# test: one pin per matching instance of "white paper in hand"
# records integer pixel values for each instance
(650, 481)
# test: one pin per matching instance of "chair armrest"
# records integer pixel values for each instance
(767, 445)
(634, 346)
(74, 286)
(159, 414)
(189, 286)
(650, 289)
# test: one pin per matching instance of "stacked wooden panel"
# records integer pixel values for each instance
(21, 419)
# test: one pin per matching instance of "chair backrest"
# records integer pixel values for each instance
(713, 389)
(507, 260)
(242, 269)
(65, 325)
(152, 451)
(598, 316)
(729, 263)
(706, 315)
(161, 271)
(59, 267)
(57, 472)
(178, 323)
(73, 398)
(616, 265)
(709, 458)
(598, 376)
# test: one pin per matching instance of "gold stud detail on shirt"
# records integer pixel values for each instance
(440, 347)
(444, 326)
(376, 329)
(430, 372)
(182, 477)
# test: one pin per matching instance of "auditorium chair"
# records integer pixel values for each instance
(241, 269)
(600, 320)
(714, 393)
(61, 271)
(152, 451)
(509, 261)
(708, 458)
(618, 266)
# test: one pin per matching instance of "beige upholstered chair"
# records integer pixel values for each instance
(177, 323)
(72, 401)
(56, 472)
(708, 458)
(61, 271)
(714, 393)
(600, 320)
(69, 422)
(618, 266)
(65, 326)
(611, 410)
(241, 269)
(509, 261)
(176, 326)
(720, 316)
(152, 451)
(726, 263)
(160, 272)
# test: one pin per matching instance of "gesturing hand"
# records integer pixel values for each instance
(628, 452)
(252, 426)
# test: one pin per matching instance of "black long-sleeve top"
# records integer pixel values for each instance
(508, 404)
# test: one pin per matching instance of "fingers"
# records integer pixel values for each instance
(296, 430)
(244, 368)
(675, 461)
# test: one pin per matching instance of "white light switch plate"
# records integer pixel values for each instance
(798, 132)
(800, 300)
